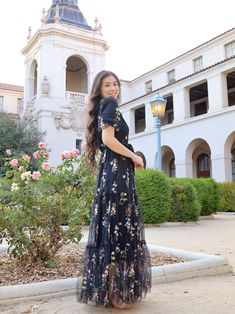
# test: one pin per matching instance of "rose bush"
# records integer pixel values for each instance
(36, 204)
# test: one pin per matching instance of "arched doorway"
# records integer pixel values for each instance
(168, 161)
(203, 166)
(198, 159)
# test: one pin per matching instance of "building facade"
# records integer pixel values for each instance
(198, 130)
(61, 60)
(11, 99)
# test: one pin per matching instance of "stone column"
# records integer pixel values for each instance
(183, 169)
(217, 92)
(181, 104)
(129, 118)
(221, 168)
(149, 119)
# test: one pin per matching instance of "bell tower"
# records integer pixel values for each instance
(61, 60)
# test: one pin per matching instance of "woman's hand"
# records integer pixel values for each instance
(84, 146)
(138, 161)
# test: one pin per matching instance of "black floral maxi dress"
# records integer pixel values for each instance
(116, 237)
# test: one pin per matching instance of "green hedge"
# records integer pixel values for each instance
(185, 205)
(154, 194)
(208, 194)
(227, 196)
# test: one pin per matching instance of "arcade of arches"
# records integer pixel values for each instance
(76, 78)
(198, 159)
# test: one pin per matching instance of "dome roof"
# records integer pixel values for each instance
(69, 13)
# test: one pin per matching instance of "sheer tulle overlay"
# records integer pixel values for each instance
(117, 262)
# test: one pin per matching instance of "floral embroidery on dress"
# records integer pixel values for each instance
(114, 187)
(114, 165)
(113, 119)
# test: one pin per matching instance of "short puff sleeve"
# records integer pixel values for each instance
(109, 113)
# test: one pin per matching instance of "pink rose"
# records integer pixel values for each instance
(14, 162)
(36, 175)
(46, 166)
(41, 145)
(68, 154)
(64, 154)
(26, 158)
(35, 155)
(8, 152)
(45, 155)
(74, 153)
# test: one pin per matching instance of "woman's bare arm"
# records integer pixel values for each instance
(111, 142)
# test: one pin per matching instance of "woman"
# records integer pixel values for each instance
(117, 266)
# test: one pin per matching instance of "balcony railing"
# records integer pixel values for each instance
(76, 97)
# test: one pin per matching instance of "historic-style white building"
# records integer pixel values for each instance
(61, 59)
(198, 131)
(11, 99)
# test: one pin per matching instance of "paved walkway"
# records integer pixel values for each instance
(206, 295)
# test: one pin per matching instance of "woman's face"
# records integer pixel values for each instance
(109, 87)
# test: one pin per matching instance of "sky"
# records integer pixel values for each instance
(141, 34)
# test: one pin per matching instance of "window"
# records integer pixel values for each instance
(233, 164)
(231, 88)
(200, 108)
(230, 49)
(169, 113)
(170, 117)
(19, 105)
(148, 87)
(79, 145)
(203, 166)
(1, 103)
(140, 119)
(198, 64)
(198, 96)
(171, 76)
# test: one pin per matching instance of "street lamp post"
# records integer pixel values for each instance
(158, 106)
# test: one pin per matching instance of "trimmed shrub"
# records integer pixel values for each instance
(154, 193)
(208, 194)
(185, 205)
(227, 196)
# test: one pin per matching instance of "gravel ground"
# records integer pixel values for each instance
(69, 265)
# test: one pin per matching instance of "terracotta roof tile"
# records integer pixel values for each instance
(10, 87)
(181, 79)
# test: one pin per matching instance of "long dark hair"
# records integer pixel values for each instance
(92, 110)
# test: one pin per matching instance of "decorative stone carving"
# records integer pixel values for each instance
(73, 119)
(100, 29)
(96, 25)
(45, 86)
(57, 14)
(44, 18)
